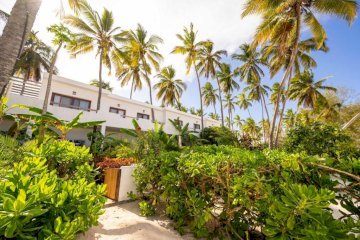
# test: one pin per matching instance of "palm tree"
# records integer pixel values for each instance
(144, 51)
(169, 89)
(210, 96)
(229, 103)
(214, 116)
(250, 128)
(289, 119)
(16, 31)
(227, 82)
(35, 56)
(306, 91)
(238, 121)
(180, 107)
(191, 49)
(183, 131)
(257, 92)
(209, 61)
(250, 70)
(95, 32)
(105, 85)
(244, 102)
(282, 27)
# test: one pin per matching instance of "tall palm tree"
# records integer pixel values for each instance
(16, 31)
(214, 116)
(190, 47)
(289, 119)
(282, 26)
(180, 107)
(250, 128)
(105, 85)
(144, 51)
(244, 102)
(238, 121)
(227, 82)
(209, 62)
(250, 70)
(229, 103)
(169, 89)
(35, 56)
(306, 90)
(95, 32)
(210, 96)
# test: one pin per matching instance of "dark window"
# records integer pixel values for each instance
(143, 116)
(70, 102)
(122, 112)
(196, 126)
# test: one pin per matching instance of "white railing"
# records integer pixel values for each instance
(28, 88)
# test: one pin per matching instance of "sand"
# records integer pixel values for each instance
(122, 221)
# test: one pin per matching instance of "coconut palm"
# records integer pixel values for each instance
(144, 51)
(214, 116)
(180, 107)
(251, 69)
(250, 128)
(307, 91)
(209, 62)
(169, 89)
(191, 49)
(227, 82)
(229, 103)
(16, 31)
(36, 55)
(244, 102)
(210, 96)
(95, 32)
(105, 85)
(238, 121)
(282, 27)
(289, 119)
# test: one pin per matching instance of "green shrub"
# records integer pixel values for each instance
(234, 193)
(320, 139)
(65, 158)
(10, 152)
(36, 204)
(219, 136)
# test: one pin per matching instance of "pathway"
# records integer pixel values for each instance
(123, 222)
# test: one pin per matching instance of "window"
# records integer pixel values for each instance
(122, 112)
(178, 121)
(143, 116)
(70, 102)
(196, 126)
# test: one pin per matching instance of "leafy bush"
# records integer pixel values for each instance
(65, 158)
(103, 146)
(320, 139)
(36, 204)
(10, 152)
(219, 136)
(123, 152)
(234, 193)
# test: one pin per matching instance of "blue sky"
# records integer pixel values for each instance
(217, 20)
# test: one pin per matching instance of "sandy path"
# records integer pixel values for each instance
(122, 221)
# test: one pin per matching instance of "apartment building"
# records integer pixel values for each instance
(69, 97)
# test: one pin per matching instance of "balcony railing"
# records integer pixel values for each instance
(26, 88)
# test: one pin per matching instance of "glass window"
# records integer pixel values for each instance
(70, 102)
(143, 116)
(114, 110)
(122, 112)
(196, 126)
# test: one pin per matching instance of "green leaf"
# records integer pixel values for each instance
(10, 229)
(291, 222)
(57, 224)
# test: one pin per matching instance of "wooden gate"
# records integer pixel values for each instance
(112, 181)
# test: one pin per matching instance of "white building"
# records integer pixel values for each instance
(69, 97)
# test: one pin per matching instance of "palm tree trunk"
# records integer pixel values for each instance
(132, 88)
(47, 93)
(249, 112)
(12, 38)
(26, 78)
(151, 101)
(286, 75)
(262, 116)
(214, 108)
(265, 107)
(221, 105)
(201, 103)
(100, 81)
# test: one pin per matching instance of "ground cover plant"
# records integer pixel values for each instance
(240, 194)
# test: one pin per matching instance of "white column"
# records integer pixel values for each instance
(103, 129)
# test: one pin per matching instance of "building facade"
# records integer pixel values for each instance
(69, 97)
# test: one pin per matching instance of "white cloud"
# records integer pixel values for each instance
(217, 20)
